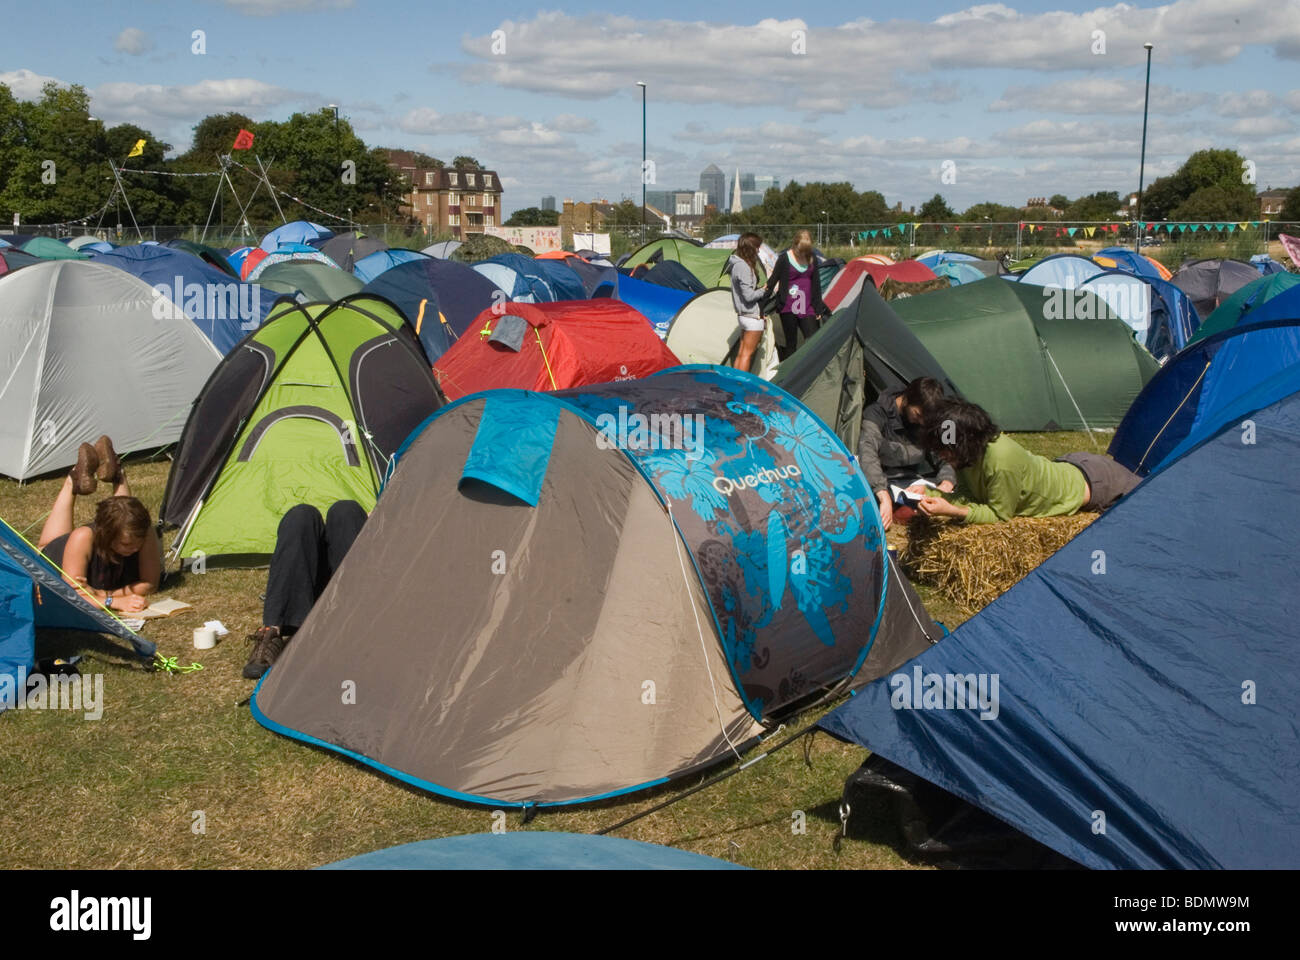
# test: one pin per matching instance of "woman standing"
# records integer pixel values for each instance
(745, 296)
(798, 293)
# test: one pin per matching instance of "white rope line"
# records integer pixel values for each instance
(672, 523)
(1091, 438)
(911, 609)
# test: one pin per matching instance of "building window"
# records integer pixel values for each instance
(428, 199)
(487, 181)
(453, 199)
(451, 178)
(428, 220)
(489, 220)
(453, 219)
(428, 178)
(469, 178)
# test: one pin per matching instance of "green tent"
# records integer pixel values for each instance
(1036, 358)
(50, 249)
(206, 253)
(309, 281)
(705, 264)
(863, 350)
(306, 409)
(1236, 308)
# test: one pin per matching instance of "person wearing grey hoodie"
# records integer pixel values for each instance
(746, 292)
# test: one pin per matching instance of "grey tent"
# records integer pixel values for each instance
(346, 249)
(558, 608)
(308, 281)
(1209, 282)
(863, 350)
(85, 349)
(442, 250)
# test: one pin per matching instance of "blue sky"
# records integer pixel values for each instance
(1012, 100)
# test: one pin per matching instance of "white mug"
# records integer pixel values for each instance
(205, 638)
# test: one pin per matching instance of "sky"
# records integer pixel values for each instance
(993, 101)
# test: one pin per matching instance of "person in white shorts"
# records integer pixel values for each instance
(746, 292)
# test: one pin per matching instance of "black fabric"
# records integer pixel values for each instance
(308, 549)
(670, 273)
(791, 327)
(1107, 480)
(100, 575)
(229, 397)
(391, 395)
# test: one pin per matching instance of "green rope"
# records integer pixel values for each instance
(171, 665)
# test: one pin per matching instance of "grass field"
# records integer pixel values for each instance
(176, 752)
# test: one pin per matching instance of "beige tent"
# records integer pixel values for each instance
(706, 330)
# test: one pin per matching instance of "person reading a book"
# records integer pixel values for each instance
(891, 453)
(117, 559)
(999, 479)
(308, 549)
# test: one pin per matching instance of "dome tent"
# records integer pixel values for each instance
(440, 299)
(730, 577)
(704, 330)
(64, 324)
(307, 409)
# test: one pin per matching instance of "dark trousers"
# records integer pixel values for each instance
(307, 552)
(1107, 480)
(790, 327)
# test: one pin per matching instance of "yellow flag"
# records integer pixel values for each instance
(137, 149)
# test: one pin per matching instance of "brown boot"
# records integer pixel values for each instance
(110, 469)
(83, 474)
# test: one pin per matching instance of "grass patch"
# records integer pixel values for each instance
(126, 791)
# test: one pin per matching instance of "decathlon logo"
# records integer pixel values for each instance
(729, 485)
(623, 374)
(209, 301)
(103, 914)
(658, 431)
(945, 691)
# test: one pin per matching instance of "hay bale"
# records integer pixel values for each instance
(973, 564)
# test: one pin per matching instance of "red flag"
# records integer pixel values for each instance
(244, 141)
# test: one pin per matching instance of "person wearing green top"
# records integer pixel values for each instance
(999, 479)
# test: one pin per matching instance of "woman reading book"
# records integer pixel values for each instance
(117, 559)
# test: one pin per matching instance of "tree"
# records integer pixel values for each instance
(1101, 205)
(1059, 201)
(466, 163)
(1168, 198)
(1291, 207)
(995, 212)
(936, 210)
(533, 217)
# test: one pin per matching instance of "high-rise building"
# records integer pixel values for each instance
(548, 203)
(714, 184)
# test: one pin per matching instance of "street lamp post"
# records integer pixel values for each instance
(826, 240)
(641, 84)
(1142, 163)
(338, 159)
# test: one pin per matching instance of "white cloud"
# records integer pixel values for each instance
(1093, 95)
(133, 41)
(26, 85)
(1250, 103)
(572, 123)
(144, 103)
(1260, 127)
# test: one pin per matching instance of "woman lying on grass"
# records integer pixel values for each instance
(999, 479)
(117, 559)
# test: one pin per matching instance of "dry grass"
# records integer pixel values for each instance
(123, 791)
(973, 564)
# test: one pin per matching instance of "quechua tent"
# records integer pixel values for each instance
(654, 600)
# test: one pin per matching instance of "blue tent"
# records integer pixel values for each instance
(1134, 263)
(221, 306)
(1285, 306)
(33, 595)
(1066, 270)
(1200, 390)
(1162, 316)
(594, 276)
(531, 850)
(958, 272)
(1266, 265)
(439, 298)
(372, 265)
(532, 281)
(935, 258)
(657, 304)
(1145, 709)
(299, 231)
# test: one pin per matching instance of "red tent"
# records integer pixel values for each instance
(850, 278)
(254, 257)
(552, 346)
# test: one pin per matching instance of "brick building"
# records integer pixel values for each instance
(446, 200)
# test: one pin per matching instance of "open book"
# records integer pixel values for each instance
(903, 498)
(162, 607)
